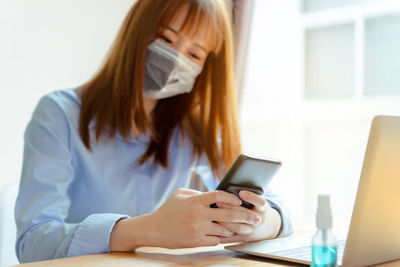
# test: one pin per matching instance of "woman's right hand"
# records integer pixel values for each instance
(185, 220)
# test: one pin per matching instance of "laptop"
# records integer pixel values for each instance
(374, 232)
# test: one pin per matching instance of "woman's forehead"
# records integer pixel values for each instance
(197, 28)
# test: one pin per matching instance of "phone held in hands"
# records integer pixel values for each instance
(249, 173)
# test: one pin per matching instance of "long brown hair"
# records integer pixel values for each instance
(114, 97)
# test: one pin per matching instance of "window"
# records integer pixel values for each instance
(329, 65)
(317, 5)
(351, 48)
(382, 58)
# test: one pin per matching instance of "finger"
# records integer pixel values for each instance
(238, 208)
(223, 206)
(238, 228)
(235, 238)
(258, 201)
(187, 191)
(212, 197)
(216, 229)
(236, 216)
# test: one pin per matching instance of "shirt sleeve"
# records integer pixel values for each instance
(204, 171)
(43, 201)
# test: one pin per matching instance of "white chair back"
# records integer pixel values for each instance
(8, 230)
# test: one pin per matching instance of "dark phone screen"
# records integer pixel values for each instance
(249, 173)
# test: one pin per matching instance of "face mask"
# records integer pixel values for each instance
(168, 72)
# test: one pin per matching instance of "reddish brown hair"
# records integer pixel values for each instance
(114, 97)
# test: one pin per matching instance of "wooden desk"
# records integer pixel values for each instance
(206, 256)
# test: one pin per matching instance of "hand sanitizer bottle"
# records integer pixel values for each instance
(324, 245)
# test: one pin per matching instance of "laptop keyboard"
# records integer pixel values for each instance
(304, 253)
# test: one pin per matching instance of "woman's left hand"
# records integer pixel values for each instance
(267, 228)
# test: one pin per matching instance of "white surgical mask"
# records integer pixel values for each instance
(168, 72)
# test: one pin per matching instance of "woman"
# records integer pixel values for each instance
(105, 165)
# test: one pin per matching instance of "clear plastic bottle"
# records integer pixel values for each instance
(324, 244)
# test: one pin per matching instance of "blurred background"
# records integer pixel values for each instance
(315, 74)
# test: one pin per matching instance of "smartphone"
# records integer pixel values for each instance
(249, 173)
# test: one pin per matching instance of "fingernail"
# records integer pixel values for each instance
(238, 202)
(220, 205)
(257, 220)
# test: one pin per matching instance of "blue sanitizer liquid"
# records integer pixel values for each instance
(323, 256)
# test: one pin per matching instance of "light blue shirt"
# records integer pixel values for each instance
(70, 197)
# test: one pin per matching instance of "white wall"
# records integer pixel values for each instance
(47, 45)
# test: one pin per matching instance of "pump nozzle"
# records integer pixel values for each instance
(324, 215)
